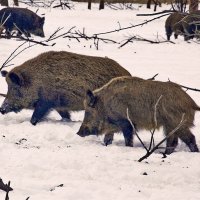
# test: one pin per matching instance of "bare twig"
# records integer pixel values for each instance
(186, 87)
(3, 95)
(155, 112)
(158, 13)
(7, 197)
(139, 38)
(153, 78)
(132, 26)
(169, 135)
(32, 42)
(189, 88)
(127, 114)
(5, 187)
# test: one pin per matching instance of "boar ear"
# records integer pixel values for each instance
(16, 78)
(91, 99)
(4, 73)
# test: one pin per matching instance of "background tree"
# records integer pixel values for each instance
(16, 2)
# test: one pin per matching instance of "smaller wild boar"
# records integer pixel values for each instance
(173, 24)
(106, 110)
(23, 20)
(56, 80)
(190, 24)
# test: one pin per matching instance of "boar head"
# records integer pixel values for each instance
(38, 27)
(96, 121)
(19, 94)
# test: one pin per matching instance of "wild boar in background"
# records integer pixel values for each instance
(23, 20)
(56, 80)
(106, 110)
(190, 24)
(173, 24)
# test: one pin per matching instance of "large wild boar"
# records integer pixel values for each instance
(56, 80)
(23, 20)
(173, 24)
(106, 110)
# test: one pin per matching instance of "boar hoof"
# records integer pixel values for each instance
(34, 122)
(107, 142)
(108, 139)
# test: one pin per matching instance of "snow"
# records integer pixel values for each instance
(38, 159)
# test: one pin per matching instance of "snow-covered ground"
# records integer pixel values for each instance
(38, 159)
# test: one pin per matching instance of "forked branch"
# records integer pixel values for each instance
(163, 140)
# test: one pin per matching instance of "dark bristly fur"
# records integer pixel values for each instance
(23, 20)
(106, 110)
(57, 80)
(173, 24)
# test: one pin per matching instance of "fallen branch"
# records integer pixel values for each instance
(189, 88)
(158, 13)
(132, 26)
(31, 43)
(169, 135)
(139, 38)
(135, 132)
(186, 87)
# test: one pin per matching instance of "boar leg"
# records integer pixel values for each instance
(64, 114)
(189, 139)
(127, 130)
(108, 139)
(172, 141)
(41, 109)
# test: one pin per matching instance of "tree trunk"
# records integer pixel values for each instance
(16, 2)
(101, 5)
(149, 4)
(193, 5)
(4, 2)
(89, 4)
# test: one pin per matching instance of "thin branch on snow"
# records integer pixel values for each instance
(31, 43)
(186, 87)
(155, 112)
(161, 142)
(152, 143)
(158, 13)
(139, 38)
(131, 26)
(149, 151)
(135, 132)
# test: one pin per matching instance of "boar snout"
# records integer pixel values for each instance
(5, 108)
(85, 131)
(2, 111)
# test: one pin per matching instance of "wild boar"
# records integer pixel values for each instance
(173, 24)
(106, 110)
(190, 24)
(23, 20)
(56, 80)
